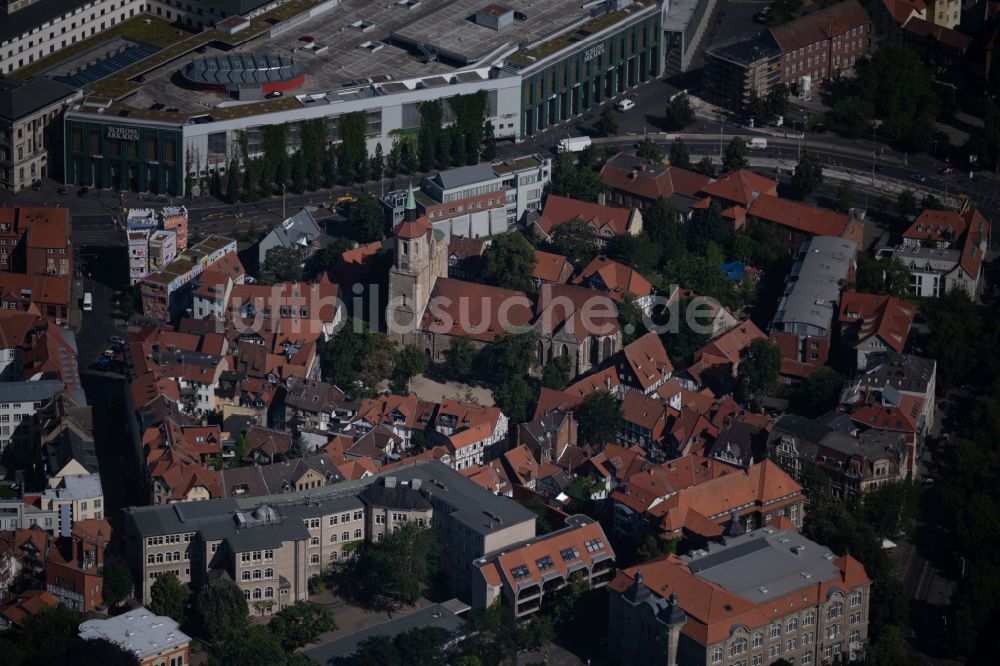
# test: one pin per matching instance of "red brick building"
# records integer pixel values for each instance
(35, 241)
(823, 44)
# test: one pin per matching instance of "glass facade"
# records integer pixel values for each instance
(113, 155)
(591, 75)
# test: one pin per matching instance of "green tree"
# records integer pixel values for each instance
(376, 165)
(891, 649)
(489, 142)
(807, 177)
(783, 11)
(653, 547)
(281, 265)
(845, 197)
(577, 181)
(410, 361)
(736, 155)
(892, 509)
(378, 650)
(599, 419)
(707, 167)
(682, 345)
(357, 360)
(606, 124)
(555, 374)
(931, 202)
(648, 150)
(537, 506)
(421, 645)
(168, 596)
(679, 113)
(352, 128)
(459, 358)
(819, 392)
(508, 262)
(388, 574)
(117, 583)
(366, 218)
(222, 609)
(759, 370)
(639, 251)
(906, 204)
(431, 122)
(515, 397)
(233, 181)
(987, 140)
(322, 262)
(511, 356)
(882, 276)
(300, 624)
(300, 171)
(247, 645)
(679, 156)
(575, 241)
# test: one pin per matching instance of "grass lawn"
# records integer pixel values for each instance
(157, 33)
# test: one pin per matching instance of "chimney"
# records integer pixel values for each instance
(633, 174)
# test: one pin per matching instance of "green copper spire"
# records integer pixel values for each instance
(411, 204)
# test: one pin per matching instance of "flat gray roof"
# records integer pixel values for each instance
(764, 564)
(818, 276)
(30, 391)
(466, 175)
(139, 631)
(341, 650)
(77, 487)
(451, 28)
(19, 99)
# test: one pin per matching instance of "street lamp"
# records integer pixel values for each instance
(283, 202)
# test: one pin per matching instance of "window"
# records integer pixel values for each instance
(569, 554)
(758, 640)
(775, 630)
(834, 611)
(268, 573)
(855, 636)
(344, 517)
(738, 647)
(809, 619)
(256, 574)
(269, 593)
(807, 658)
(359, 515)
(357, 534)
(333, 538)
(245, 575)
(314, 541)
(346, 536)
(333, 520)
(856, 598)
(268, 554)
(716, 655)
(314, 558)
(790, 644)
(793, 624)
(855, 618)
(256, 593)
(520, 572)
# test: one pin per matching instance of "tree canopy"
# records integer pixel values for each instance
(117, 583)
(169, 597)
(366, 219)
(807, 177)
(281, 265)
(222, 608)
(599, 419)
(679, 113)
(300, 623)
(888, 276)
(760, 368)
(508, 262)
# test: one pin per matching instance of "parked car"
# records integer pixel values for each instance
(82, 192)
(116, 339)
(308, 39)
(918, 178)
(37, 185)
(273, 94)
(946, 171)
(64, 189)
(625, 105)
(520, 16)
(109, 353)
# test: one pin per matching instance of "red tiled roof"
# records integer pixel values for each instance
(560, 210)
(820, 25)
(976, 241)
(873, 413)
(729, 345)
(550, 400)
(412, 229)
(652, 181)
(799, 216)
(463, 248)
(938, 33)
(616, 278)
(900, 10)
(937, 225)
(741, 187)
(884, 316)
(648, 360)
(473, 310)
(550, 267)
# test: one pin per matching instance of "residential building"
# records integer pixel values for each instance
(316, 405)
(754, 598)
(73, 498)
(720, 357)
(19, 402)
(31, 116)
(299, 233)
(798, 222)
(874, 324)
(74, 566)
(36, 241)
(162, 248)
(464, 257)
(528, 576)
(603, 221)
(945, 250)
(693, 497)
(45, 295)
(855, 462)
(155, 640)
(23, 514)
(735, 192)
(550, 268)
(138, 255)
(945, 13)
(286, 476)
(623, 283)
(643, 365)
(636, 182)
(908, 374)
(167, 293)
(803, 327)
(26, 605)
(941, 47)
(175, 218)
(271, 546)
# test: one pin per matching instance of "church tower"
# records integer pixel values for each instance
(420, 258)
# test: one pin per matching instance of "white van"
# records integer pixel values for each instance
(757, 144)
(88, 302)
(625, 105)
(574, 144)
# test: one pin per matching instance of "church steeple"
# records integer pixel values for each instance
(410, 210)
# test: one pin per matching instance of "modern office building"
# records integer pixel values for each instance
(538, 65)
